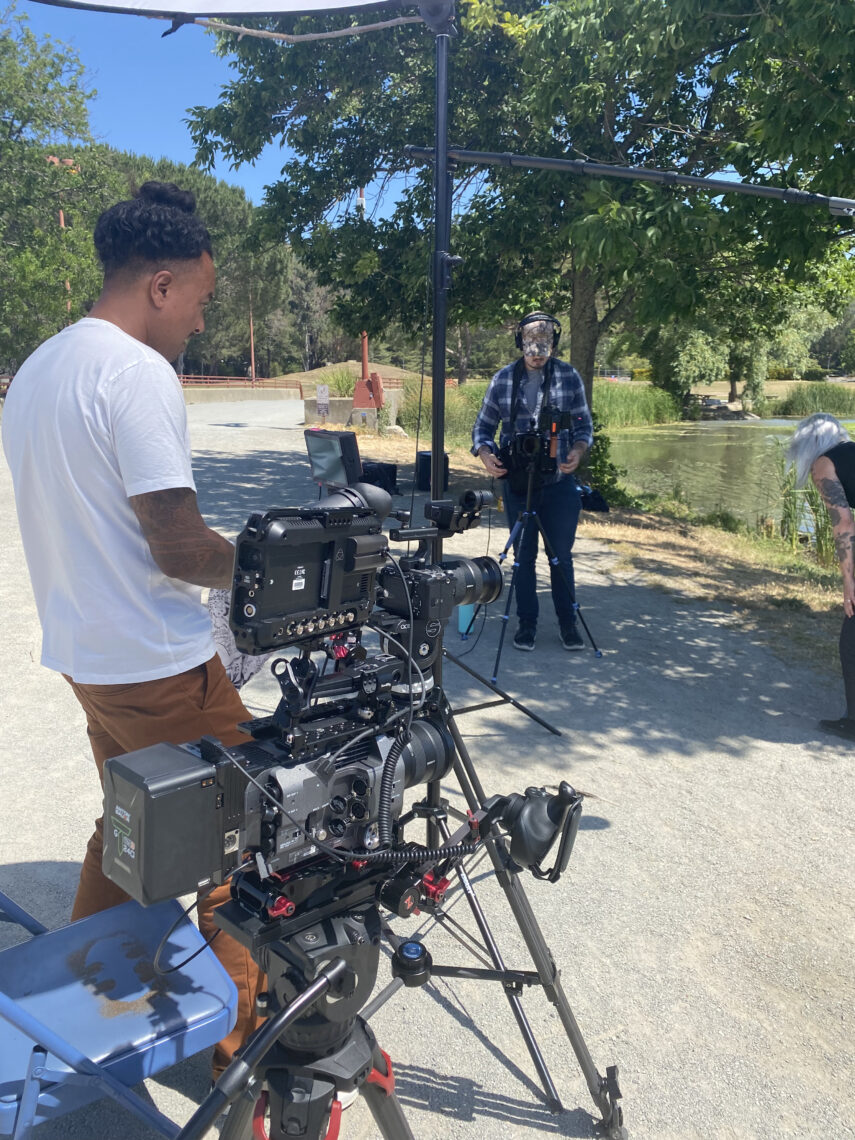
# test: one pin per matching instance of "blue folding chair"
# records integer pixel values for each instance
(84, 1014)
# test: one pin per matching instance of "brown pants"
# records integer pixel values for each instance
(122, 718)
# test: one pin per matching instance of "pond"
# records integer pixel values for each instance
(716, 465)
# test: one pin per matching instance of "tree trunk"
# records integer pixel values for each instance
(464, 349)
(734, 367)
(584, 328)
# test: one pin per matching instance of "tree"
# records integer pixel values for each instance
(52, 187)
(632, 82)
(828, 348)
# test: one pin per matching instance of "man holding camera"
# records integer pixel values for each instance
(524, 396)
(95, 432)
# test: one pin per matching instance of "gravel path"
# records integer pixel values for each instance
(704, 929)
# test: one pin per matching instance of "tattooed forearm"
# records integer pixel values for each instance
(844, 544)
(181, 543)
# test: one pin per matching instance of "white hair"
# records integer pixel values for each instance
(812, 438)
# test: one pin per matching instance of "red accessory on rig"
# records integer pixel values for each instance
(434, 888)
(387, 1083)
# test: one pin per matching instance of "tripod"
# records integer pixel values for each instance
(314, 1045)
(518, 530)
(321, 963)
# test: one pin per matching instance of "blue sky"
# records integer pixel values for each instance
(145, 84)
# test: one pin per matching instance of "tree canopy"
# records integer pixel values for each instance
(631, 82)
(54, 183)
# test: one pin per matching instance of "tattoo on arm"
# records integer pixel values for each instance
(833, 493)
(181, 543)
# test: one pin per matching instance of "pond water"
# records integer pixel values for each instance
(715, 465)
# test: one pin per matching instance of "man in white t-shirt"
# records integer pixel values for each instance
(95, 433)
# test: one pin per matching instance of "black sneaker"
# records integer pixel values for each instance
(524, 638)
(844, 726)
(571, 639)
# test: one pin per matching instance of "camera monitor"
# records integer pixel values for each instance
(334, 457)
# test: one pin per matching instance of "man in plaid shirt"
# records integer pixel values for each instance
(515, 397)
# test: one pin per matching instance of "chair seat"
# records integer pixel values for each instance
(93, 983)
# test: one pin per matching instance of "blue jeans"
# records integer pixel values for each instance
(557, 505)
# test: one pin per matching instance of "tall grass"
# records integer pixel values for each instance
(806, 399)
(461, 408)
(631, 405)
(616, 405)
(804, 518)
(341, 381)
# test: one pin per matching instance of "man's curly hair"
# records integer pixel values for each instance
(159, 225)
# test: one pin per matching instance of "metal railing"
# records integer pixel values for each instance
(238, 382)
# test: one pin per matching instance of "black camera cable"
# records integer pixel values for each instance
(186, 912)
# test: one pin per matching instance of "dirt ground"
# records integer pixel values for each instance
(700, 930)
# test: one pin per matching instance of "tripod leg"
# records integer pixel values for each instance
(552, 1099)
(517, 529)
(505, 619)
(379, 1094)
(238, 1123)
(604, 1090)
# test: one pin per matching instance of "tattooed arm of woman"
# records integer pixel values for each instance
(843, 525)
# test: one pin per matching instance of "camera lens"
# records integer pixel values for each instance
(476, 580)
(476, 500)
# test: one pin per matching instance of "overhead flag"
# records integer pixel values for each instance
(232, 8)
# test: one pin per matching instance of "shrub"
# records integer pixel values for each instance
(814, 374)
(599, 470)
(776, 372)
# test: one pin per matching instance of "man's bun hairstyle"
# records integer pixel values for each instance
(536, 319)
(157, 226)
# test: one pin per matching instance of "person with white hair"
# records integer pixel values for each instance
(821, 448)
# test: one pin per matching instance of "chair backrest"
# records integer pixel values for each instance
(84, 1013)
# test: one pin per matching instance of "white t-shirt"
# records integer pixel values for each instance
(91, 418)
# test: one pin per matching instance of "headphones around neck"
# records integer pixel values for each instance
(534, 318)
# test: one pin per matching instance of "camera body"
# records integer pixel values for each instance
(307, 788)
(178, 818)
(534, 453)
(529, 451)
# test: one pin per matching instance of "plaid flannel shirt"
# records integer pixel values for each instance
(567, 393)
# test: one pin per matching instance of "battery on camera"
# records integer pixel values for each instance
(171, 821)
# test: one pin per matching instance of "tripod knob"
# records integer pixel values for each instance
(412, 963)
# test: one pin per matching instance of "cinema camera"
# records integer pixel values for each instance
(315, 798)
(535, 451)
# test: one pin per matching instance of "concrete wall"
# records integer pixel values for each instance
(342, 406)
(215, 394)
(339, 410)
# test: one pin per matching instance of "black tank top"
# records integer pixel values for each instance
(842, 455)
